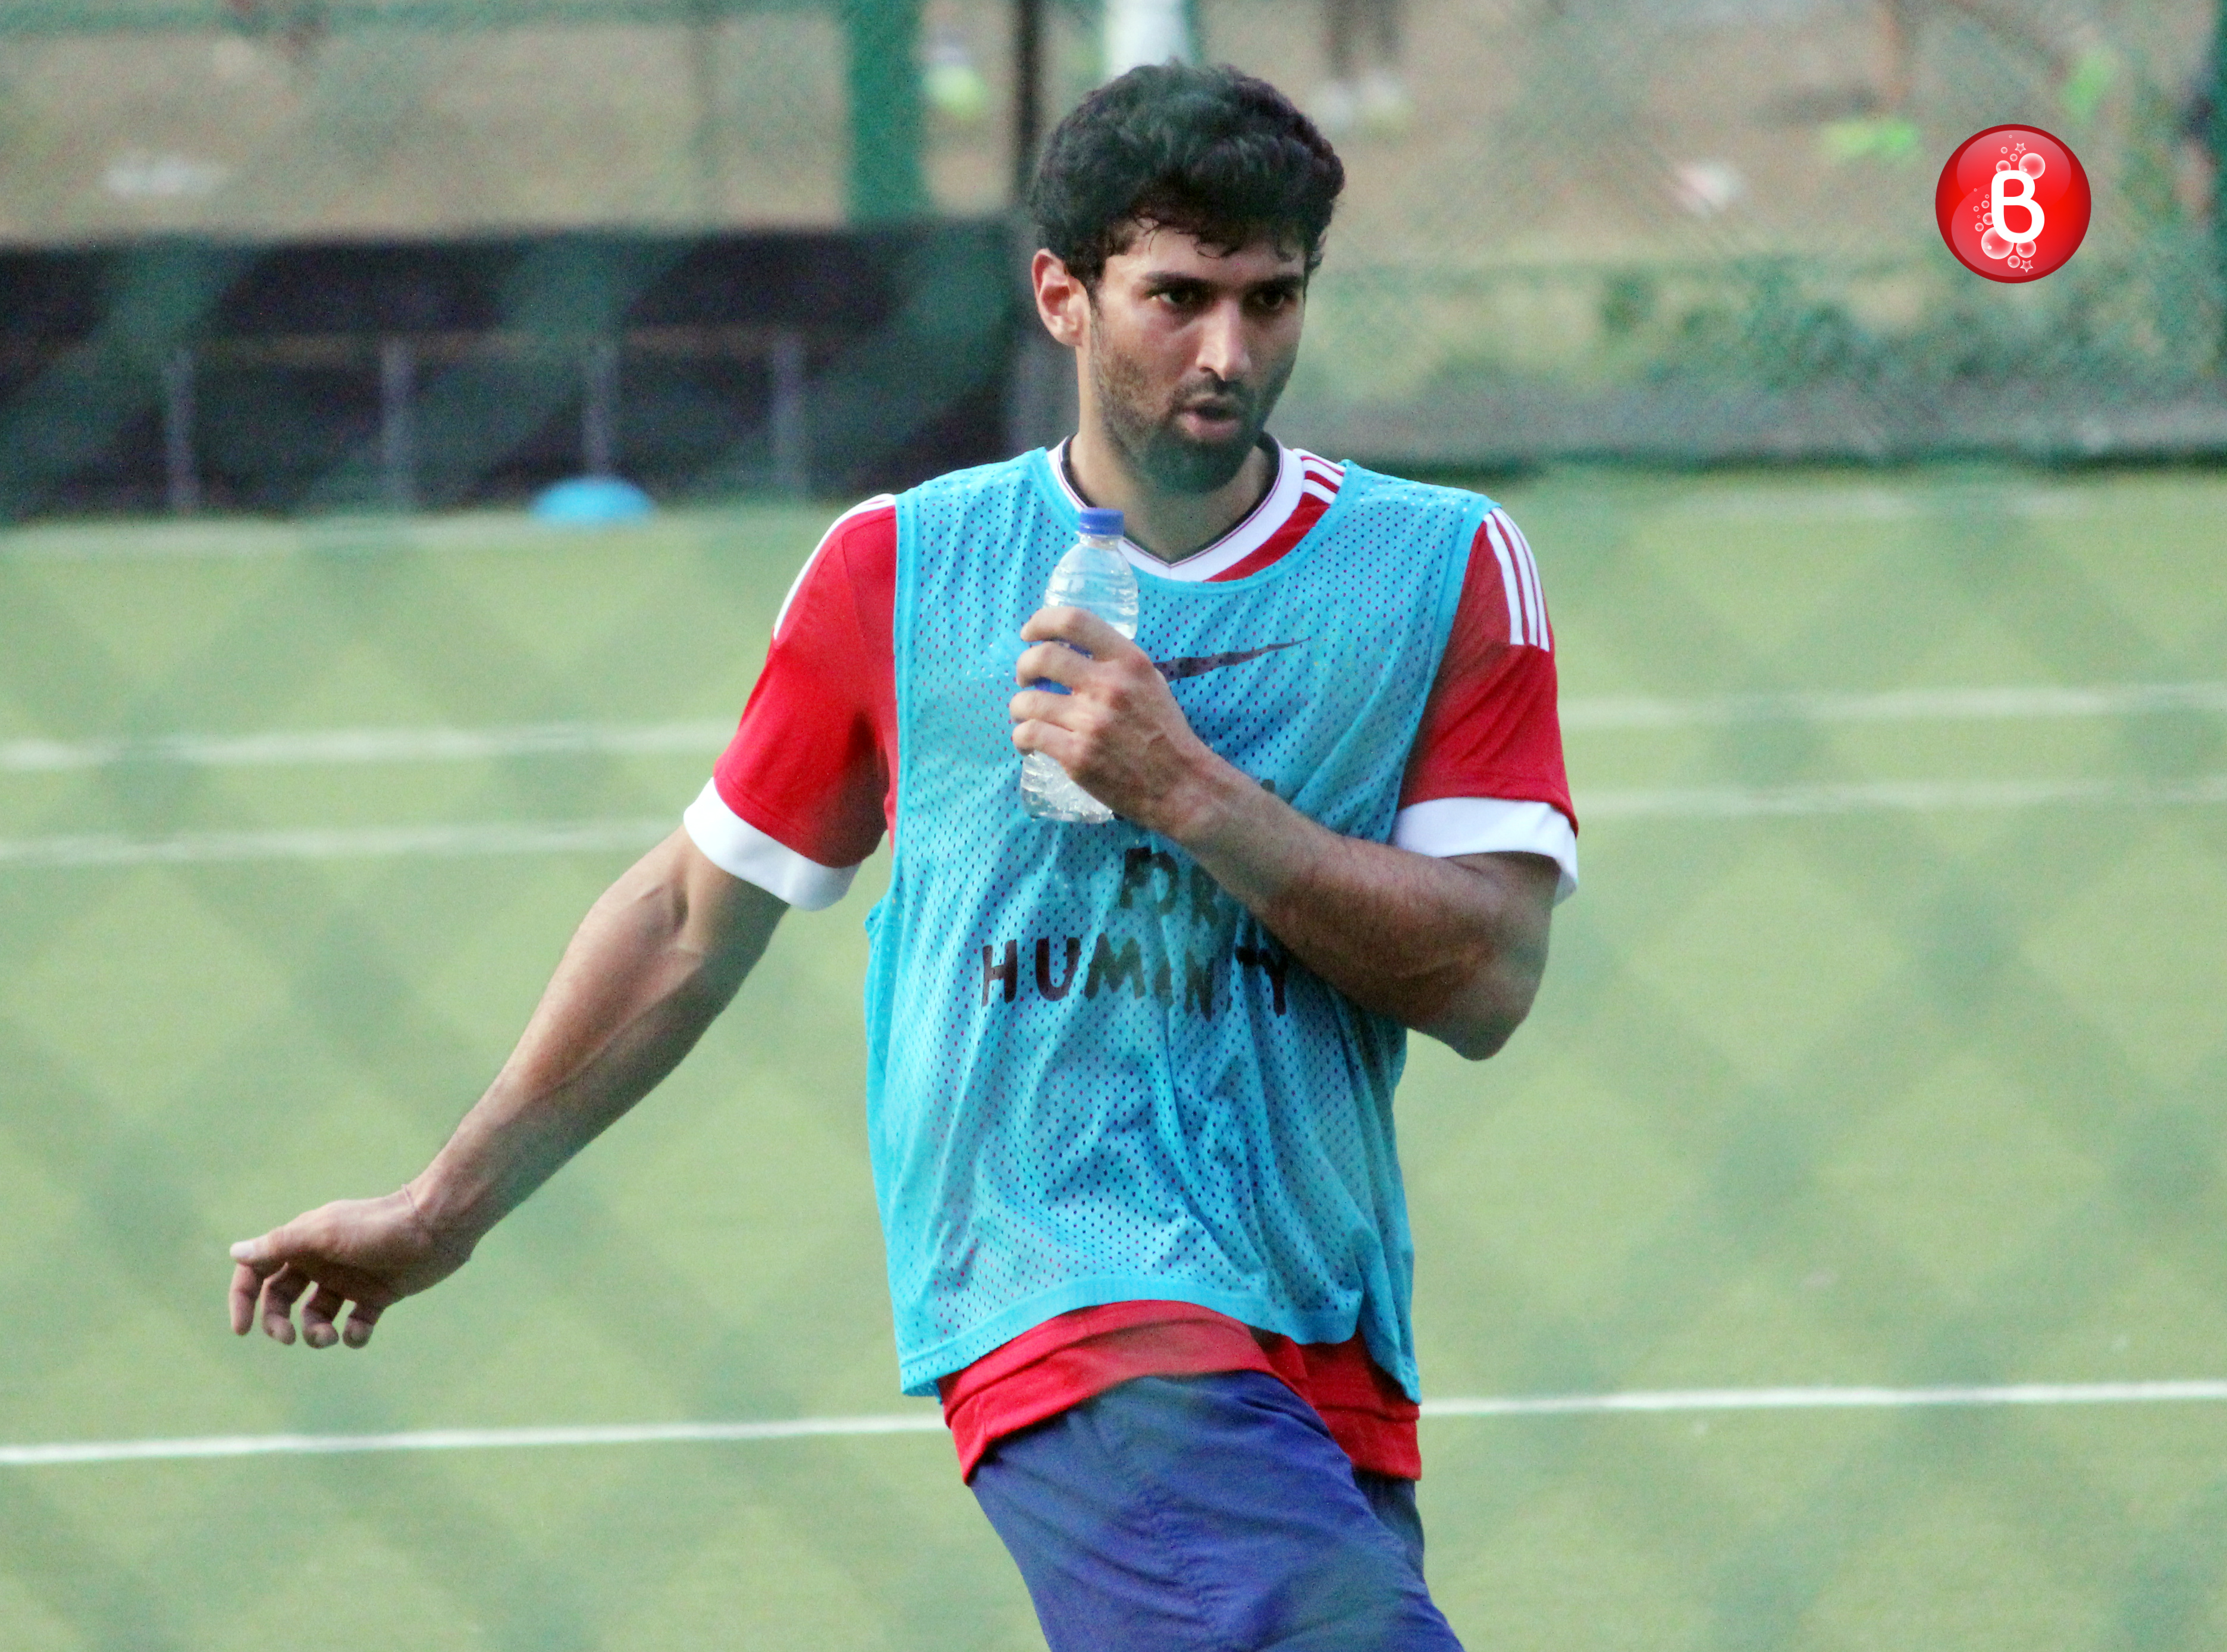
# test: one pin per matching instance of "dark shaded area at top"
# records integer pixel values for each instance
(302, 376)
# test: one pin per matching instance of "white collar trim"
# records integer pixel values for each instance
(1255, 529)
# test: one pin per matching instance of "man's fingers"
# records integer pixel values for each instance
(1042, 705)
(1078, 626)
(279, 1291)
(1052, 662)
(246, 1287)
(256, 1262)
(250, 1268)
(317, 1314)
(1063, 746)
(270, 1296)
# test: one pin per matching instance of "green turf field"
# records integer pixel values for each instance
(1884, 1045)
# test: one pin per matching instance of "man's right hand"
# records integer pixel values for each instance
(372, 1253)
(651, 965)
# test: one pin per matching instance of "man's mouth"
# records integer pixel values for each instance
(1219, 411)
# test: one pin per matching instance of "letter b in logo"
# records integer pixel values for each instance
(2013, 190)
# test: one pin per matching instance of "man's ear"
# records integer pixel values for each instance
(1063, 300)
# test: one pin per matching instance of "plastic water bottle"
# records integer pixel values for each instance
(1094, 574)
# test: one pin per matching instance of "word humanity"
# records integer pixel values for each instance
(1153, 883)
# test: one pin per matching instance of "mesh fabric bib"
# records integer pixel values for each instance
(1093, 1077)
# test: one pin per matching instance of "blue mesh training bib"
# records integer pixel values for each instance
(1093, 1077)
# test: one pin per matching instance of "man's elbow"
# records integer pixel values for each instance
(1500, 977)
(1478, 1025)
(1479, 1039)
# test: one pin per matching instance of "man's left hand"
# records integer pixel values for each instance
(1118, 730)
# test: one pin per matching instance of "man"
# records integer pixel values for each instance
(1130, 1085)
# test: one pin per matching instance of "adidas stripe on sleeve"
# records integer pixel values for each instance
(1487, 775)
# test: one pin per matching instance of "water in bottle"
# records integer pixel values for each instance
(1094, 574)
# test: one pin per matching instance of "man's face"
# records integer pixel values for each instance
(1188, 348)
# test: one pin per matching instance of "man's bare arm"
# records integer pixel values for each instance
(657, 958)
(1453, 947)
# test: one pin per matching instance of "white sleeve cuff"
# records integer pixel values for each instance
(1490, 825)
(733, 844)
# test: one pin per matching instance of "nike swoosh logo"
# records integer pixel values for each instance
(1197, 665)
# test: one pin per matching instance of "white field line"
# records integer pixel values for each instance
(928, 1422)
(703, 739)
(498, 838)
(706, 736)
(1860, 504)
(1947, 797)
(460, 1439)
(1678, 1399)
(334, 537)
(567, 837)
(1903, 705)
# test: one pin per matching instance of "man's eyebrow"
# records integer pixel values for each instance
(1175, 280)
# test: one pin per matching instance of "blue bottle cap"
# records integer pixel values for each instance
(1100, 523)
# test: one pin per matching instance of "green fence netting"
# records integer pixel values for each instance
(1880, 1054)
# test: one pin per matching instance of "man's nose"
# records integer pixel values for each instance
(1222, 348)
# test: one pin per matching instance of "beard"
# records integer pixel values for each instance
(1145, 429)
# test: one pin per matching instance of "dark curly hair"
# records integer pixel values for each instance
(1213, 152)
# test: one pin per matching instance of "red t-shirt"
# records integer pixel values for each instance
(806, 788)
(1067, 1359)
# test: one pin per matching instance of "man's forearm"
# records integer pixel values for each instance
(651, 966)
(1454, 947)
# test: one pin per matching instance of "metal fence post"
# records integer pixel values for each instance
(888, 122)
(2215, 142)
(398, 374)
(182, 481)
(792, 434)
(1028, 93)
(704, 87)
(599, 411)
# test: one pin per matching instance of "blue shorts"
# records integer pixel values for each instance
(1213, 1512)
